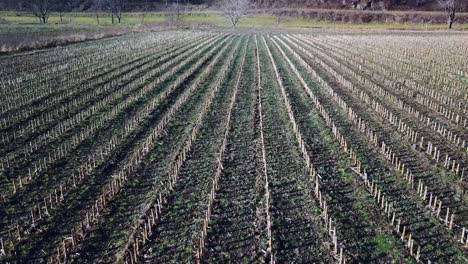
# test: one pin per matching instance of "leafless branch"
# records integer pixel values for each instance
(40, 9)
(450, 7)
(234, 10)
(115, 7)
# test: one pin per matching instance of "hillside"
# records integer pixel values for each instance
(135, 5)
(418, 5)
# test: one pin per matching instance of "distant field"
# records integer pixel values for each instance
(81, 18)
(197, 19)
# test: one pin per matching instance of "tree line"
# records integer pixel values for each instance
(233, 10)
(43, 8)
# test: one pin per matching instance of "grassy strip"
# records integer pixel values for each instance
(23, 22)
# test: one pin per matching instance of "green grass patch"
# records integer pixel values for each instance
(388, 246)
(192, 19)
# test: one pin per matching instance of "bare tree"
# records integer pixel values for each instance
(97, 7)
(450, 7)
(115, 6)
(234, 10)
(144, 11)
(63, 6)
(40, 9)
(175, 14)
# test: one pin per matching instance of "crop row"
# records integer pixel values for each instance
(210, 147)
(349, 114)
(97, 105)
(434, 184)
(86, 169)
(131, 163)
